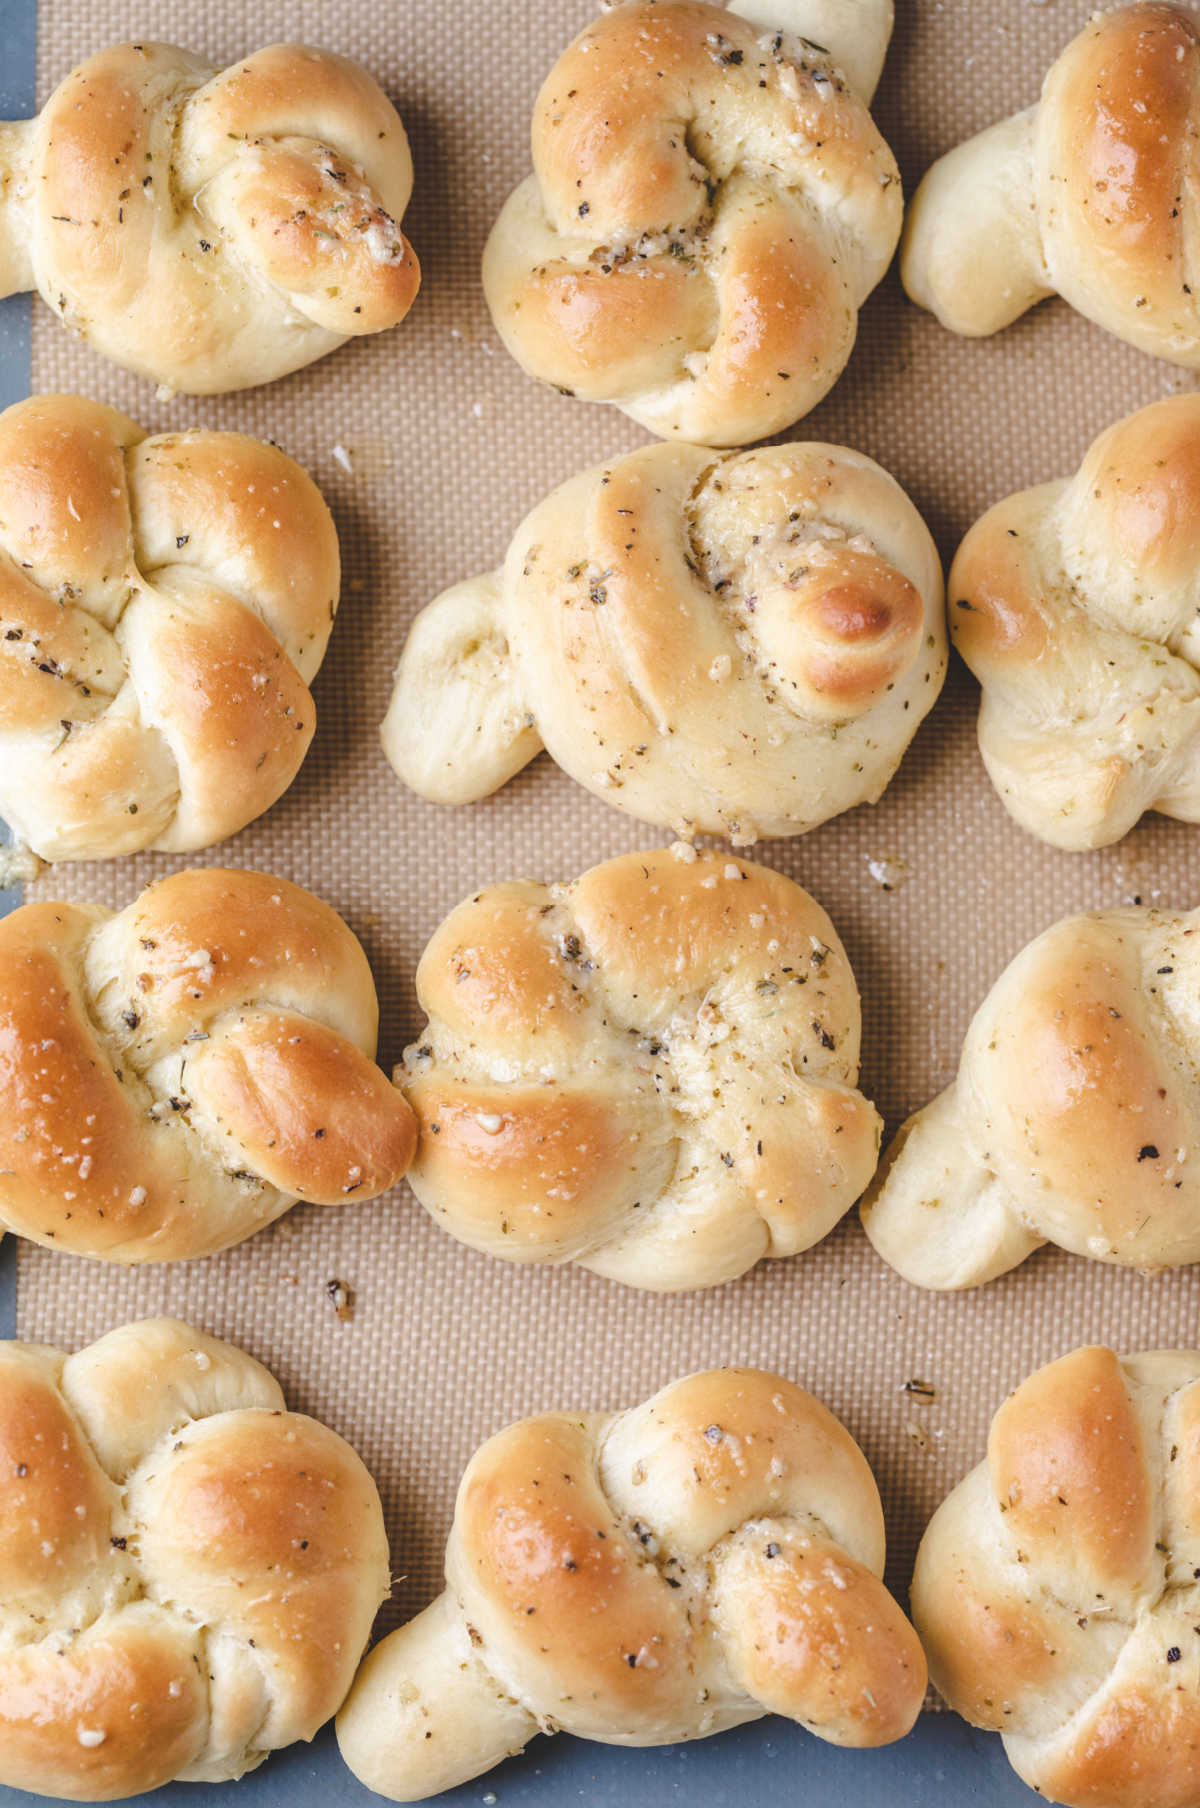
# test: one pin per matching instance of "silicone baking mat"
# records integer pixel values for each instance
(430, 445)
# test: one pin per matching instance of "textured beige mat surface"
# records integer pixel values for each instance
(449, 444)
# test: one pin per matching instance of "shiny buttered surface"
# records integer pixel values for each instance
(710, 206)
(1090, 194)
(165, 603)
(651, 1071)
(188, 1571)
(175, 1076)
(1075, 606)
(211, 230)
(1056, 1589)
(703, 1559)
(1074, 1118)
(739, 645)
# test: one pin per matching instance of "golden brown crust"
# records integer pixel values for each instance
(138, 1385)
(164, 604)
(814, 1635)
(318, 1114)
(209, 1608)
(1141, 1750)
(64, 503)
(46, 1471)
(539, 1541)
(174, 1076)
(858, 623)
(1073, 1119)
(1139, 484)
(215, 685)
(288, 209)
(786, 1453)
(138, 1683)
(600, 326)
(1120, 124)
(1090, 194)
(269, 1520)
(651, 1071)
(254, 931)
(675, 927)
(1073, 604)
(1055, 1589)
(997, 622)
(278, 544)
(483, 965)
(1086, 1089)
(709, 1556)
(987, 1655)
(534, 1173)
(741, 645)
(1067, 1460)
(83, 1167)
(218, 230)
(99, 144)
(1075, 1063)
(643, 264)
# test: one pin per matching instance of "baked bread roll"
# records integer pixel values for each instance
(651, 1071)
(1074, 605)
(176, 1076)
(1074, 1118)
(711, 205)
(701, 1560)
(739, 646)
(211, 230)
(1056, 1590)
(188, 1572)
(1087, 195)
(164, 605)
